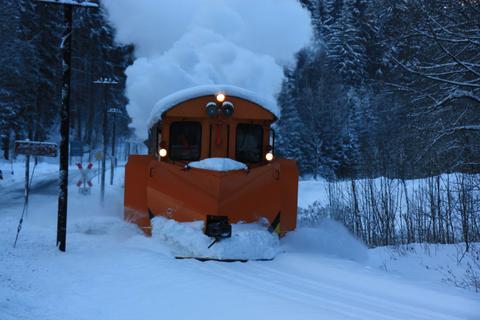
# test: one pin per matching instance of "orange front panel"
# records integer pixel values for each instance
(251, 196)
(218, 142)
(181, 195)
(191, 194)
(135, 198)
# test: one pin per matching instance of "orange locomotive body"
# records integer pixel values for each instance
(212, 123)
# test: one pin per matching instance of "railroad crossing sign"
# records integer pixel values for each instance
(85, 181)
(36, 148)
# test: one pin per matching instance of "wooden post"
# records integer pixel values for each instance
(66, 46)
(27, 178)
(105, 82)
(113, 164)
(105, 143)
(65, 130)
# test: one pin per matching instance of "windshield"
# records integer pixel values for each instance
(185, 138)
(249, 143)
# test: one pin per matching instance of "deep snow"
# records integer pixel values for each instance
(112, 271)
(248, 241)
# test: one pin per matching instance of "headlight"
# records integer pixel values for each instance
(163, 152)
(269, 156)
(227, 109)
(212, 109)
(220, 97)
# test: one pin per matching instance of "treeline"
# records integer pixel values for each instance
(31, 74)
(383, 211)
(389, 88)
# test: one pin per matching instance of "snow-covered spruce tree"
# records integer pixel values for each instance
(48, 28)
(97, 55)
(28, 57)
(346, 42)
(10, 71)
(290, 138)
(31, 65)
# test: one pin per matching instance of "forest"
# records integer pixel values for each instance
(389, 88)
(31, 75)
(387, 91)
(390, 93)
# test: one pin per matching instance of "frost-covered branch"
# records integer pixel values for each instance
(450, 54)
(420, 33)
(436, 78)
(459, 94)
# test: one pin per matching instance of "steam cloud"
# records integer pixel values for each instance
(184, 43)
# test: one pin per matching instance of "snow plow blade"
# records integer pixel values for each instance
(154, 188)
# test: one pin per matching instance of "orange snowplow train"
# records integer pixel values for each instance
(201, 124)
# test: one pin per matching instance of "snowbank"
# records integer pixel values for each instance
(430, 263)
(218, 164)
(248, 241)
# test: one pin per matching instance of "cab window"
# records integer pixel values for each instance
(185, 141)
(249, 143)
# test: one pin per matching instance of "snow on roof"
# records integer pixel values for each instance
(207, 90)
(218, 164)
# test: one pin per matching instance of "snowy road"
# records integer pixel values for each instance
(44, 182)
(111, 271)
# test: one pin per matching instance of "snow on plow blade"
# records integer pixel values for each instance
(186, 240)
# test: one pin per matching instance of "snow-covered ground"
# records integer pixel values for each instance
(312, 190)
(112, 271)
(14, 174)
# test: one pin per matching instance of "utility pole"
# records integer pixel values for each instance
(104, 82)
(66, 46)
(113, 163)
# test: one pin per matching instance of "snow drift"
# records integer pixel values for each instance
(328, 238)
(181, 44)
(248, 241)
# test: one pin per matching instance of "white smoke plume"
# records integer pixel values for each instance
(184, 43)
